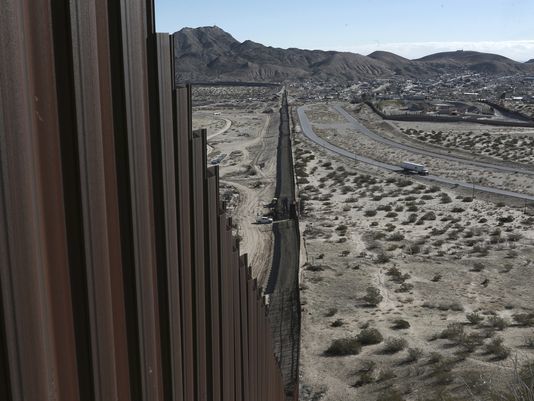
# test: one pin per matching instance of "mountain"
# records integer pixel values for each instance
(475, 61)
(530, 61)
(211, 54)
(403, 66)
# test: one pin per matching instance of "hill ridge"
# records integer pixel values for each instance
(212, 54)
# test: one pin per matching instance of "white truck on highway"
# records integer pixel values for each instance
(414, 168)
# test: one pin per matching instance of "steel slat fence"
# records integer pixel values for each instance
(120, 278)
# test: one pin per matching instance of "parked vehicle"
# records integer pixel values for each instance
(264, 220)
(414, 168)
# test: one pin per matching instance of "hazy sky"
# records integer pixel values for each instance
(411, 28)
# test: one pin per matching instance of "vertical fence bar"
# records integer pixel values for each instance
(182, 104)
(243, 300)
(88, 126)
(164, 194)
(133, 28)
(118, 309)
(33, 249)
(214, 321)
(198, 186)
(237, 322)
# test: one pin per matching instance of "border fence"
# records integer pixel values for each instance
(119, 275)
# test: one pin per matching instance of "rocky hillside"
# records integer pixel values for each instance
(211, 54)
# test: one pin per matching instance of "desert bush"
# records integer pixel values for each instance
(514, 237)
(478, 266)
(369, 213)
(382, 257)
(370, 337)
(315, 268)
(511, 254)
(401, 183)
(364, 378)
(386, 374)
(529, 342)
(442, 368)
(497, 348)
(341, 228)
(414, 354)
(337, 323)
(373, 296)
(394, 345)
(497, 322)
(367, 366)
(445, 198)
(457, 210)
(412, 218)
(331, 312)
(435, 357)
(395, 237)
(453, 332)
(374, 235)
(482, 250)
(505, 219)
(405, 287)
(524, 319)
(474, 318)
(390, 395)
(437, 277)
(429, 216)
(400, 324)
(385, 208)
(470, 341)
(394, 272)
(453, 235)
(412, 248)
(344, 346)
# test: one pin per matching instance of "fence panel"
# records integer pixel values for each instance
(119, 275)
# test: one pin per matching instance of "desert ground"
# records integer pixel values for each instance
(242, 127)
(331, 126)
(410, 291)
(523, 108)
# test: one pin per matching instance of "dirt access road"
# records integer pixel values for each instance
(247, 139)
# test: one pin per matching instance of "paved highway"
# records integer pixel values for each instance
(414, 149)
(311, 135)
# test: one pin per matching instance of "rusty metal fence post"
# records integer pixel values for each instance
(119, 275)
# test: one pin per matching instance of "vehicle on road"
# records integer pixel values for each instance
(271, 204)
(414, 168)
(264, 220)
(218, 159)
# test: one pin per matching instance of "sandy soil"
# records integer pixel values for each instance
(243, 140)
(525, 108)
(434, 257)
(502, 144)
